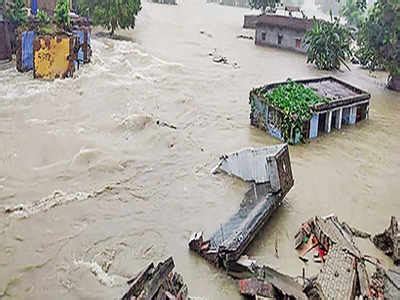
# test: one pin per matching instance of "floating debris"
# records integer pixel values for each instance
(206, 34)
(246, 37)
(157, 283)
(165, 124)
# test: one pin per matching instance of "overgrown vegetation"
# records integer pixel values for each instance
(16, 12)
(328, 44)
(293, 100)
(61, 14)
(111, 14)
(380, 38)
(263, 4)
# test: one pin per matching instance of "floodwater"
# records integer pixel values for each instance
(103, 187)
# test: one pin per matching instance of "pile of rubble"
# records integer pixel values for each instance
(343, 270)
(343, 274)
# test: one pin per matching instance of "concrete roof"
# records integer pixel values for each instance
(285, 21)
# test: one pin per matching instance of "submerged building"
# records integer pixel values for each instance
(281, 31)
(238, 3)
(341, 104)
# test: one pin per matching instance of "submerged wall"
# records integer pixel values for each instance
(280, 37)
(24, 55)
(53, 57)
(84, 44)
(5, 42)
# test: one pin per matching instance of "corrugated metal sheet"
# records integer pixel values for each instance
(250, 164)
(25, 51)
(53, 57)
(5, 43)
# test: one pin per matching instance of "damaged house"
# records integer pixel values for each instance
(282, 31)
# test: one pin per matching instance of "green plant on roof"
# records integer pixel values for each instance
(61, 14)
(293, 100)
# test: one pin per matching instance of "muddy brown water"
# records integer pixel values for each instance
(103, 186)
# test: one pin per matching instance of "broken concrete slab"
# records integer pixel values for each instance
(269, 171)
(260, 279)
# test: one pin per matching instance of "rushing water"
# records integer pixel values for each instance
(102, 185)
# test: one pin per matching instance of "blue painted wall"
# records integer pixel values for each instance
(28, 38)
(353, 115)
(346, 116)
(314, 126)
(81, 35)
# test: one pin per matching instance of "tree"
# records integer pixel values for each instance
(328, 44)
(111, 14)
(61, 13)
(16, 12)
(364, 53)
(382, 38)
(263, 4)
(354, 12)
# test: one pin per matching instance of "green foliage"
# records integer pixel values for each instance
(293, 100)
(381, 34)
(111, 14)
(16, 12)
(364, 53)
(354, 12)
(328, 44)
(263, 4)
(43, 17)
(61, 13)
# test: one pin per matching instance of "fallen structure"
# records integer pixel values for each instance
(263, 281)
(341, 104)
(389, 241)
(269, 172)
(157, 283)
